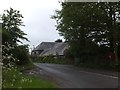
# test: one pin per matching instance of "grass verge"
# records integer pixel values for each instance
(13, 78)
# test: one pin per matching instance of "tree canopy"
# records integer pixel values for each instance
(11, 35)
(11, 22)
(89, 26)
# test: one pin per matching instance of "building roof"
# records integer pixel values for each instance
(45, 45)
(52, 48)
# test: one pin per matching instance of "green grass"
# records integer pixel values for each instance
(15, 79)
(27, 66)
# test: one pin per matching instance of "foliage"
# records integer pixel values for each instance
(68, 53)
(11, 35)
(90, 27)
(11, 22)
(51, 59)
(15, 57)
(13, 78)
(21, 52)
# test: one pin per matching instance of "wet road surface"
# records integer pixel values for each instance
(68, 76)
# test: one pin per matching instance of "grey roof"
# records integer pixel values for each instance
(52, 48)
(45, 45)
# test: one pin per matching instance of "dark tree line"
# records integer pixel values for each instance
(90, 28)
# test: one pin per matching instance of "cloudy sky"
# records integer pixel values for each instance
(39, 26)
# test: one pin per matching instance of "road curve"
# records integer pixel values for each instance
(68, 76)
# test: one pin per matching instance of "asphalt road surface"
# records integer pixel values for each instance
(68, 76)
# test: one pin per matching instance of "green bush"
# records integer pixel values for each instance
(22, 54)
(51, 59)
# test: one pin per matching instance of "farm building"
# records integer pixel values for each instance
(50, 48)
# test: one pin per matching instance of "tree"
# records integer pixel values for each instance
(11, 22)
(11, 35)
(85, 25)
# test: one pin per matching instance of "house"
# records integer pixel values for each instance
(50, 48)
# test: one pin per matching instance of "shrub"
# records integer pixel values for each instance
(22, 54)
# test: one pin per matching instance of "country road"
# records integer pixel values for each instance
(68, 76)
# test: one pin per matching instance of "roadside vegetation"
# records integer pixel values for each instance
(13, 78)
(75, 62)
(50, 59)
(15, 57)
(92, 32)
(90, 29)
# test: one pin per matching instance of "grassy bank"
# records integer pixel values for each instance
(14, 78)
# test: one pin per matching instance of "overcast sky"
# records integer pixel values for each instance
(39, 26)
